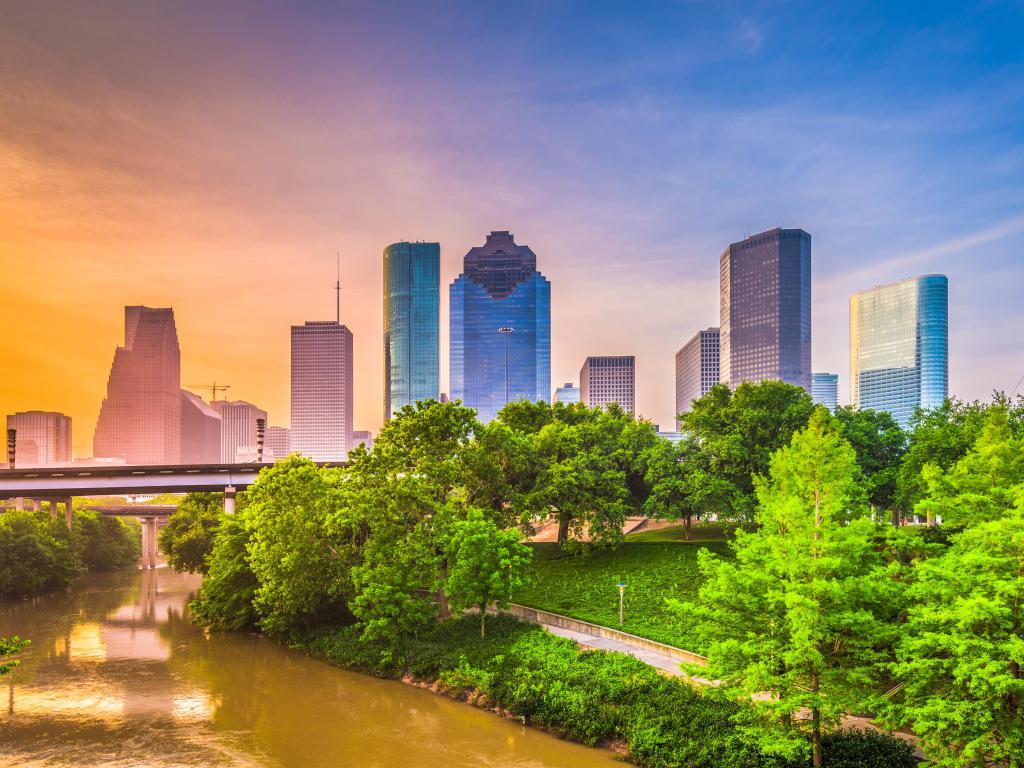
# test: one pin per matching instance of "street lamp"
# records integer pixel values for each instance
(506, 331)
(622, 599)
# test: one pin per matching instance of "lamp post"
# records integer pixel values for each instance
(506, 331)
(622, 600)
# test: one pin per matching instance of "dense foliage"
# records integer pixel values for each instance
(187, 538)
(9, 646)
(39, 554)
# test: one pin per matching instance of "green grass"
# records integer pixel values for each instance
(677, 533)
(584, 586)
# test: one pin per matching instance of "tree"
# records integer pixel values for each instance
(738, 431)
(879, 443)
(962, 653)
(105, 543)
(36, 554)
(501, 470)
(9, 647)
(225, 600)
(800, 615)
(675, 484)
(187, 538)
(982, 485)
(489, 564)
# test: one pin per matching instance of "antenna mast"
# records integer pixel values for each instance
(337, 292)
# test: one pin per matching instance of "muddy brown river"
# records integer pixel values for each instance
(117, 676)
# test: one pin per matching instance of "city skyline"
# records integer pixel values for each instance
(627, 167)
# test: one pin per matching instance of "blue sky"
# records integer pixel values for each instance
(626, 143)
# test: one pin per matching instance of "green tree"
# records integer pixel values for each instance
(879, 444)
(104, 543)
(738, 431)
(8, 647)
(984, 484)
(677, 485)
(36, 554)
(798, 620)
(501, 471)
(488, 564)
(962, 652)
(187, 538)
(225, 600)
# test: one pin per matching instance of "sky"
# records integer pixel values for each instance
(216, 156)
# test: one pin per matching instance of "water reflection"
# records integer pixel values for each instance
(117, 676)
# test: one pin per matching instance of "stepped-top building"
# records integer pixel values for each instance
(500, 322)
(140, 418)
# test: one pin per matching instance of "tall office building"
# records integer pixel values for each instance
(277, 442)
(899, 346)
(607, 380)
(200, 431)
(322, 402)
(825, 389)
(412, 274)
(765, 291)
(697, 368)
(567, 393)
(43, 438)
(237, 428)
(140, 419)
(500, 327)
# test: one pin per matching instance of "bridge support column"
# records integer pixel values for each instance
(36, 505)
(149, 542)
(53, 509)
(68, 511)
(19, 502)
(229, 500)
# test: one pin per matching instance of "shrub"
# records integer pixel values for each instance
(225, 598)
(866, 749)
(35, 553)
(105, 543)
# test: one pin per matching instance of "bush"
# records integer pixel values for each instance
(105, 543)
(866, 749)
(35, 554)
(225, 598)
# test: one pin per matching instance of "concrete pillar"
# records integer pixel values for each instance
(146, 533)
(19, 502)
(149, 542)
(68, 511)
(53, 509)
(229, 500)
(37, 505)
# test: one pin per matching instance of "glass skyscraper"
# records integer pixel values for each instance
(412, 274)
(899, 346)
(500, 310)
(825, 389)
(765, 292)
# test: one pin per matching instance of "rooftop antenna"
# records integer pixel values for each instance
(337, 292)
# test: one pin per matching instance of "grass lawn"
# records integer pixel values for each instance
(700, 533)
(584, 586)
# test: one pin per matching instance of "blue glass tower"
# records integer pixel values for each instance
(500, 327)
(412, 275)
(899, 346)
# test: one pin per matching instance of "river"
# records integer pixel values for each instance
(117, 676)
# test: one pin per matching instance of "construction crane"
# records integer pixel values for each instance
(214, 389)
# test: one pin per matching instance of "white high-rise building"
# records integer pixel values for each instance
(278, 443)
(43, 438)
(237, 428)
(607, 380)
(825, 389)
(697, 368)
(567, 393)
(322, 402)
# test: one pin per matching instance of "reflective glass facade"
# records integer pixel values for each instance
(825, 389)
(697, 368)
(765, 294)
(899, 346)
(500, 288)
(411, 299)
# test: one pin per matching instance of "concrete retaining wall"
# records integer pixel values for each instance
(538, 616)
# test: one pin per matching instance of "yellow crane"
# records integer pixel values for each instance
(214, 389)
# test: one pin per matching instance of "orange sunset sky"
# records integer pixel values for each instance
(215, 157)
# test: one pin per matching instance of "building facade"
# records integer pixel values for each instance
(899, 346)
(500, 322)
(697, 368)
(825, 389)
(237, 428)
(43, 438)
(567, 393)
(765, 309)
(321, 390)
(277, 442)
(200, 431)
(412, 274)
(140, 418)
(607, 380)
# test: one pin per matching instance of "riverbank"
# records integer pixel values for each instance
(594, 697)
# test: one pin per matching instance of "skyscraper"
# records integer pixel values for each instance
(412, 274)
(765, 291)
(607, 380)
(825, 389)
(140, 419)
(697, 368)
(200, 431)
(237, 427)
(278, 442)
(500, 327)
(43, 438)
(322, 403)
(899, 346)
(567, 393)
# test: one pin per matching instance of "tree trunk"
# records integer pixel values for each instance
(444, 611)
(563, 526)
(816, 725)
(686, 527)
(483, 618)
(895, 517)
